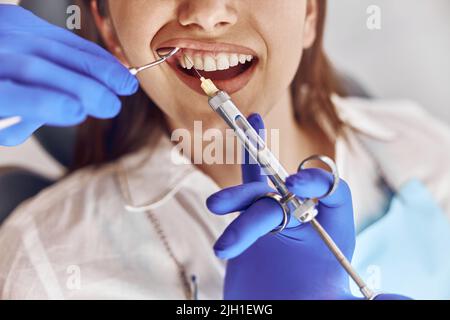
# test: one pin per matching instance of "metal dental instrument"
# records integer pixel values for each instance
(304, 211)
(163, 53)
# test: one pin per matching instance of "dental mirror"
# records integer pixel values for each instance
(163, 53)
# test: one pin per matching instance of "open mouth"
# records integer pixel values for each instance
(229, 71)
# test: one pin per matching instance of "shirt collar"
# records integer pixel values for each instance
(358, 114)
(155, 171)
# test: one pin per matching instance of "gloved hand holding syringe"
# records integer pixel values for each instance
(303, 211)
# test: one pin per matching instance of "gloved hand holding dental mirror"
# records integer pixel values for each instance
(164, 54)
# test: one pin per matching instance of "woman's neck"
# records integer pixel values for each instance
(294, 143)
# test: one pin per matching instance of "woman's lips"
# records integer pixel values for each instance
(230, 77)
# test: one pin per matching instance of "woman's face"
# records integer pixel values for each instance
(221, 35)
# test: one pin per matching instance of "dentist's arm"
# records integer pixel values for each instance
(50, 76)
(293, 264)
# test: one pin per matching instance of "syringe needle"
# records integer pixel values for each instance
(207, 85)
(196, 71)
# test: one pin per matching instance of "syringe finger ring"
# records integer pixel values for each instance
(333, 169)
(286, 212)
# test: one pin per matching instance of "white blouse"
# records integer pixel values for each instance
(76, 240)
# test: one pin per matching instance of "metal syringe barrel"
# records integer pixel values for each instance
(222, 104)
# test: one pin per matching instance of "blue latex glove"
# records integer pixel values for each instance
(293, 264)
(50, 76)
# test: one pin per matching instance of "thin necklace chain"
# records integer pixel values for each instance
(125, 189)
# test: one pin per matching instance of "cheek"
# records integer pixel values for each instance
(282, 29)
(136, 23)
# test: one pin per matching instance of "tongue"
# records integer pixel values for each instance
(220, 75)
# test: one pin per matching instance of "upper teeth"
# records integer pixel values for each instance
(209, 62)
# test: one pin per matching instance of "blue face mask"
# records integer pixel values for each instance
(407, 251)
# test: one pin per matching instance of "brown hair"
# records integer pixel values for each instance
(101, 141)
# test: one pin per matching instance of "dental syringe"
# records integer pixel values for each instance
(304, 211)
(222, 104)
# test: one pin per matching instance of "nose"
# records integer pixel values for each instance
(207, 15)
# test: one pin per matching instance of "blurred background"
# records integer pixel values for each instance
(407, 58)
